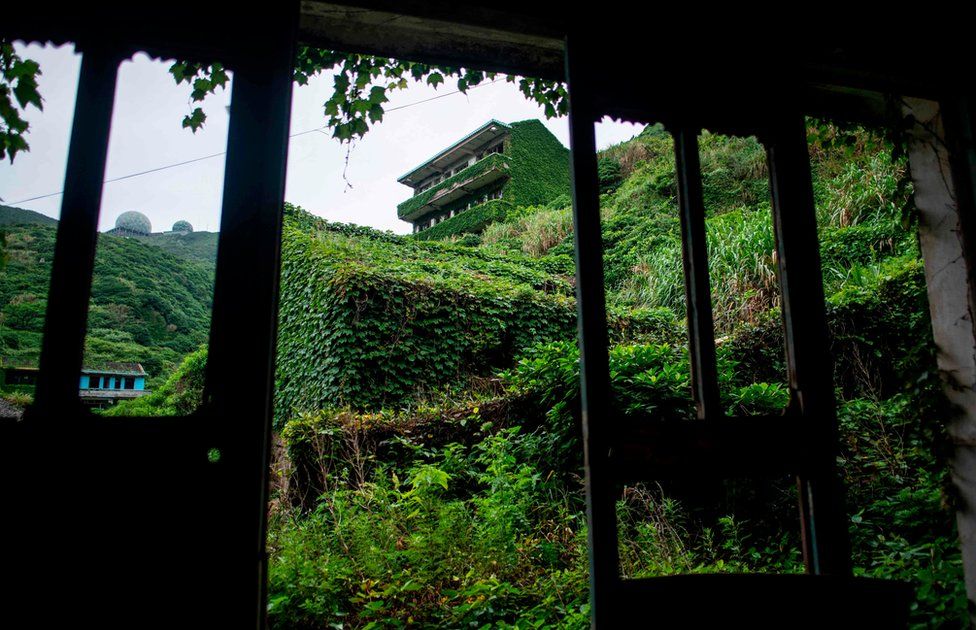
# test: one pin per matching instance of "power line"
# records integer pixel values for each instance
(213, 155)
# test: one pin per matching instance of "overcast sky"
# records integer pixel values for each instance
(146, 135)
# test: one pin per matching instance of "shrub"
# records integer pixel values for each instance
(180, 395)
(544, 230)
(608, 172)
(408, 548)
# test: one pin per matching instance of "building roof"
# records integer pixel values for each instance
(110, 367)
(116, 368)
(435, 164)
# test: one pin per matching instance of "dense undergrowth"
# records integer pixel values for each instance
(428, 469)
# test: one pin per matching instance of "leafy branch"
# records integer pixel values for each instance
(18, 90)
(362, 85)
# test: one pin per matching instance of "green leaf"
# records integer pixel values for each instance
(375, 114)
(194, 120)
(377, 95)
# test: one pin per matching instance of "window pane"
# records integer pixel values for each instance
(30, 187)
(149, 316)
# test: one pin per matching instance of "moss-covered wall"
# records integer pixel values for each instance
(539, 165)
(471, 221)
(495, 160)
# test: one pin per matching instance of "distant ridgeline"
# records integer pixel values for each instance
(180, 241)
(483, 176)
(151, 292)
(14, 216)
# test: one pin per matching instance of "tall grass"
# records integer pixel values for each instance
(742, 270)
(537, 231)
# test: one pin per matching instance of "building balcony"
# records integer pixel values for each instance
(475, 177)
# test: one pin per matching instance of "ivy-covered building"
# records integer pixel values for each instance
(477, 179)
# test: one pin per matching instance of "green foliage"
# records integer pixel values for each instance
(535, 232)
(429, 402)
(366, 323)
(181, 394)
(205, 79)
(733, 172)
(899, 489)
(459, 537)
(888, 389)
(15, 216)
(608, 172)
(198, 247)
(146, 307)
(446, 476)
(539, 165)
(472, 221)
(362, 84)
(18, 90)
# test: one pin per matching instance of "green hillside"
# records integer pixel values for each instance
(13, 216)
(147, 306)
(200, 247)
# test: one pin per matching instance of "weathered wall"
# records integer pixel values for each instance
(950, 305)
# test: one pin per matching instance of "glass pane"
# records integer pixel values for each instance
(743, 274)
(30, 189)
(149, 316)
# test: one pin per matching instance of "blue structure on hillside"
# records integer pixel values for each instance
(129, 376)
(112, 383)
(100, 387)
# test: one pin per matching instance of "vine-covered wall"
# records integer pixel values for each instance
(471, 221)
(369, 322)
(539, 167)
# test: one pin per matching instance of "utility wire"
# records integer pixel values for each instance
(213, 155)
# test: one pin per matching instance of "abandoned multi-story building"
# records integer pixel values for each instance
(520, 163)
